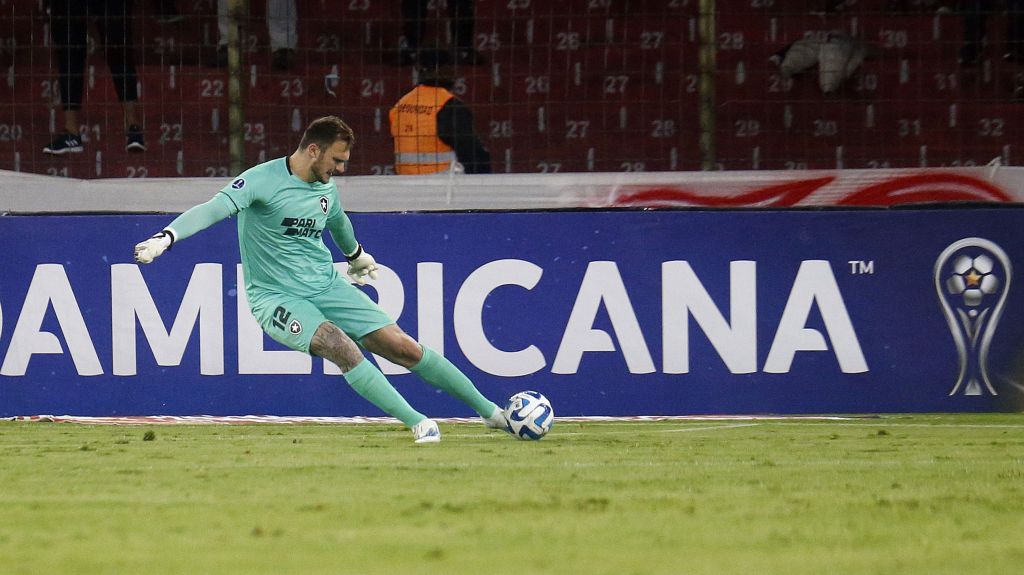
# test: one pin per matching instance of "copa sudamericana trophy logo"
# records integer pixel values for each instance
(972, 279)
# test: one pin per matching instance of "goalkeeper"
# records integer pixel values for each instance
(283, 207)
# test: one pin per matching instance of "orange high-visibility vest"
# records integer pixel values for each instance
(418, 150)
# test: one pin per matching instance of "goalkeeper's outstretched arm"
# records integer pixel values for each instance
(194, 220)
(360, 264)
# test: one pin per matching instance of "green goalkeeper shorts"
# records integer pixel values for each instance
(292, 320)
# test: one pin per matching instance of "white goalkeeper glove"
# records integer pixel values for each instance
(360, 265)
(149, 250)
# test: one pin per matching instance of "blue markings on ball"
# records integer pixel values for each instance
(529, 414)
(542, 419)
(527, 433)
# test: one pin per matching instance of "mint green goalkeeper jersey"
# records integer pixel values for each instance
(281, 221)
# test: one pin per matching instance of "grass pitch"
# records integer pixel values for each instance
(927, 494)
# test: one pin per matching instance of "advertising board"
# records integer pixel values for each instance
(606, 312)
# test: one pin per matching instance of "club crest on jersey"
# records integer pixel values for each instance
(324, 204)
(238, 184)
(295, 327)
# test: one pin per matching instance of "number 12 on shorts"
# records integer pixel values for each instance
(281, 317)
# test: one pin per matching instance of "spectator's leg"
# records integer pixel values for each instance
(283, 31)
(68, 27)
(114, 25)
(223, 22)
(129, 114)
(282, 20)
(219, 58)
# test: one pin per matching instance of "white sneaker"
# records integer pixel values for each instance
(497, 420)
(426, 431)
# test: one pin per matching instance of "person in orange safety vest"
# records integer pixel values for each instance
(433, 129)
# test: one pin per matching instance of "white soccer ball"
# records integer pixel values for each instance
(529, 415)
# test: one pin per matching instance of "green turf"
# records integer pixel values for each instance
(925, 494)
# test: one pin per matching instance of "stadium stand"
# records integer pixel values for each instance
(585, 85)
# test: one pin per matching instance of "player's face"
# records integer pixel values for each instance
(330, 162)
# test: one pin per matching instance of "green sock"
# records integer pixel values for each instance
(439, 372)
(371, 384)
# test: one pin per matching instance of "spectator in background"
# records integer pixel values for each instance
(282, 28)
(837, 57)
(976, 13)
(69, 25)
(414, 19)
(433, 129)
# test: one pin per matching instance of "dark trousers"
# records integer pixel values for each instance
(69, 25)
(461, 12)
